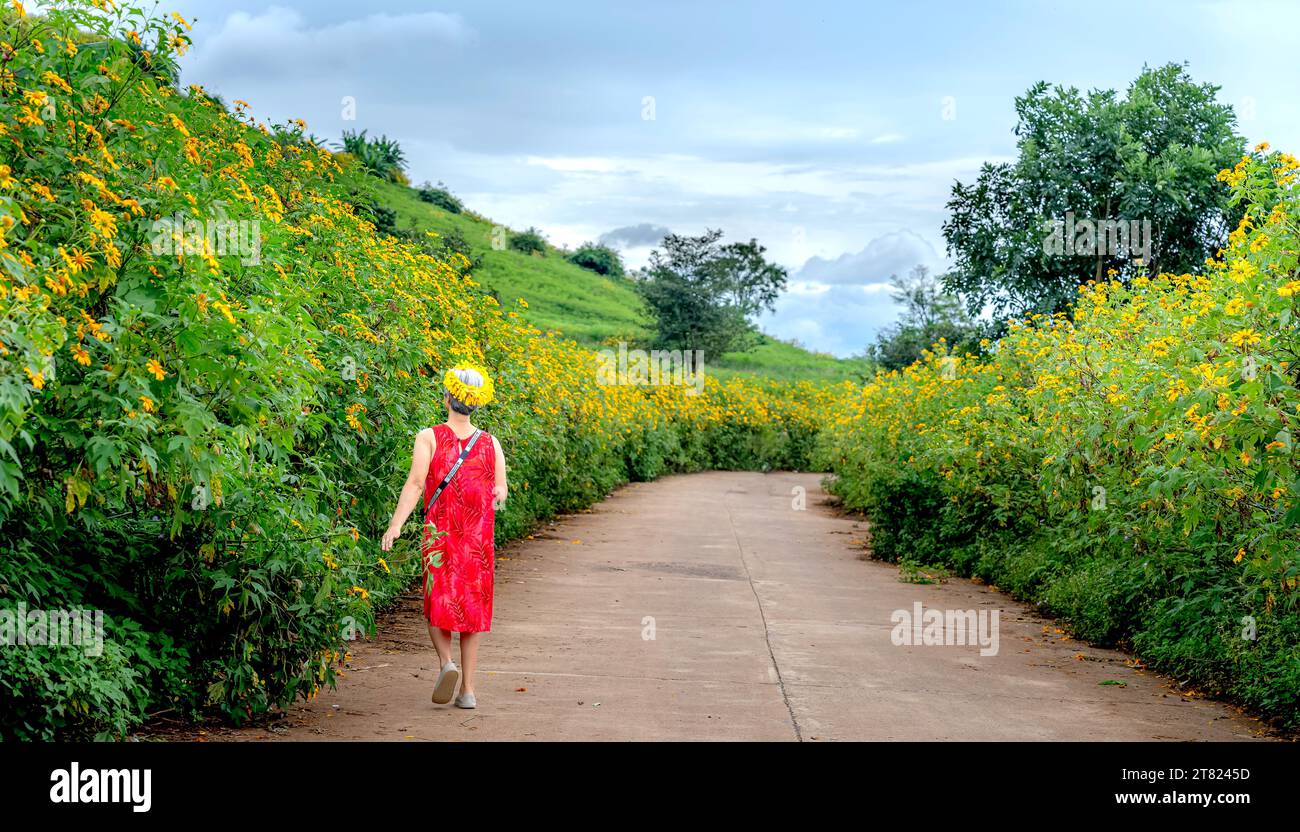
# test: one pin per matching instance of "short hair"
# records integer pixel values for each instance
(470, 378)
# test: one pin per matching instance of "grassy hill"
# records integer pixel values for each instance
(586, 306)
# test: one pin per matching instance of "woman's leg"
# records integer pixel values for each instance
(468, 659)
(441, 643)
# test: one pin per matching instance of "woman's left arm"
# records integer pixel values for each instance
(500, 489)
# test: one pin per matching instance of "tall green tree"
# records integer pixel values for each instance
(703, 293)
(1095, 165)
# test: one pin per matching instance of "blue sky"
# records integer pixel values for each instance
(832, 132)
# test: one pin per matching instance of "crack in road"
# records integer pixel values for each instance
(762, 615)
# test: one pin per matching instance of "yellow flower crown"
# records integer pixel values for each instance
(462, 392)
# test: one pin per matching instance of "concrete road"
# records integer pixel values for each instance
(714, 607)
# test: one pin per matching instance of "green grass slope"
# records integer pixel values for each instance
(585, 306)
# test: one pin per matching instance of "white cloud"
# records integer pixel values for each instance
(281, 40)
(838, 304)
(841, 320)
(590, 164)
(702, 175)
(641, 235)
(887, 255)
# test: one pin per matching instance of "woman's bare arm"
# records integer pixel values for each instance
(425, 443)
(500, 490)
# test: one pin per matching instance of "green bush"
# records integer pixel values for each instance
(1128, 468)
(599, 259)
(528, 242)
(440, 197)
(382, 157)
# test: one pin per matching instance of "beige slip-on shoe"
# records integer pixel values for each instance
(446, 684)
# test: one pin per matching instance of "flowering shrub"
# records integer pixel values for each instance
(207, 443)
(1132, 469)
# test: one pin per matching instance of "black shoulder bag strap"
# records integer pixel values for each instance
(469, 446)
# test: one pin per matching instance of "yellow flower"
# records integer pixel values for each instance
(224, 309)
(105, 223)
(54, 80)
(1244, 337)
(77, 261)
(155, 369)
(42, 191)
(29, 117)
(1241, 270)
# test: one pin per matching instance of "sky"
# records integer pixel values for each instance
(830, 132)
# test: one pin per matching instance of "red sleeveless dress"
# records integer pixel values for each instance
(458, 566)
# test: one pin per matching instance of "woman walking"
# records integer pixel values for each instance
(460, 472)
